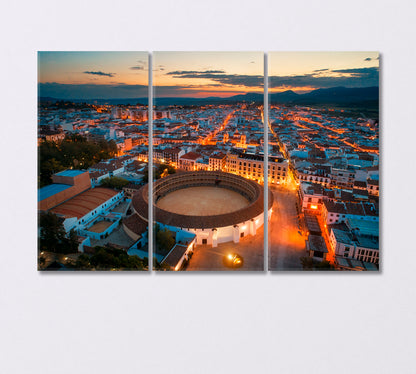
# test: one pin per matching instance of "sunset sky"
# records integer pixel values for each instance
(117, 75)
(203, 74)
(307, 71)
(92, 75)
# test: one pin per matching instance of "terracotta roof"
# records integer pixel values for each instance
(218, 156)
(135, 224)
(347, 196)
(334, 207)
(371, 209)
(85, 202)
(190, 156)
(132, 186)
(97, 174)
(356, 209)
(172, 150)
(108, 166)
(357, 191)
(360, 184)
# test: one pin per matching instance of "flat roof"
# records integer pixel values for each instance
(85, 202)
(312, 223)
(342, 261)
(342, 236)
(370, 266)
(51, 190)
(174, 256)
(70, 173)
(366, 227)
(317, 243)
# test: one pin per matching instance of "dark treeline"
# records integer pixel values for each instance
(106, 258)
(74, 152)
(52, 236)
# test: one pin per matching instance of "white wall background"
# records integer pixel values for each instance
(205, 323)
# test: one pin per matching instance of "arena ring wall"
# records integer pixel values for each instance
(212, 229)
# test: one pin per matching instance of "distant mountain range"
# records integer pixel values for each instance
(366, 96)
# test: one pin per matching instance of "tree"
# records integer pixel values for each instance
(164, 239)
(308, 263)
(324, 265)
(114, 182)
(75, 151)
(53, 237)
(163, 168)
(106, 258)
(83, 262)
(158, 266)
(135, 263)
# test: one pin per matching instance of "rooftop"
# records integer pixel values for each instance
(70, 173)
(343, 236)
(175, 255)
(191, 156)
(317, 244)
(85, 202)
(136, 224)
(312, 188)
(51, 190)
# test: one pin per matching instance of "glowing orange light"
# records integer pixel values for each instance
(314, 207)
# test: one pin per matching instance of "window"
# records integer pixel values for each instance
(204, 241)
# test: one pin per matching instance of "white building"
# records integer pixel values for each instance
(360, 242)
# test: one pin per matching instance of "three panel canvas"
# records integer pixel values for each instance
(226, 178)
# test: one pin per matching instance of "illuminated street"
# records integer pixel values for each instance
(250, 248)
(286, 245)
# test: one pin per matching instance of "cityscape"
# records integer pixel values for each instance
(206, 163)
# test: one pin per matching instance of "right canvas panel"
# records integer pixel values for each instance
(324, 161)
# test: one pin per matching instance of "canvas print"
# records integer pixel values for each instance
(92, 138)
(208, 197)
(324, 169)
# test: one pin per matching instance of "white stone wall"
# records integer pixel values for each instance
(229, 233)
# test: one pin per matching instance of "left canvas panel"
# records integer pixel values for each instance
(92, 158)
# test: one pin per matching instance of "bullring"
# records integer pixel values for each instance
(243, 220)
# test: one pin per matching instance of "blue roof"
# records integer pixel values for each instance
(51, 190)
(70, 173)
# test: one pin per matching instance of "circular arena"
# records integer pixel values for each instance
(218, 207)
(202, 201)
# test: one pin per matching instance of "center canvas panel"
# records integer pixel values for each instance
(208, 198)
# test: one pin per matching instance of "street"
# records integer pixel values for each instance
(250, 248)
(286, 244)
